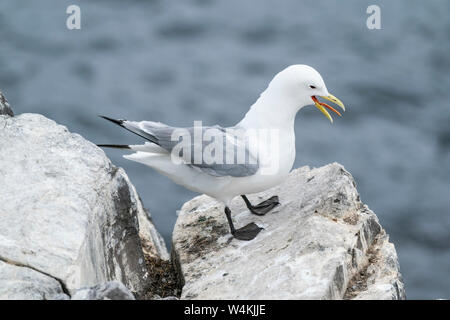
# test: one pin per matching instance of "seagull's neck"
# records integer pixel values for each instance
(271, 110)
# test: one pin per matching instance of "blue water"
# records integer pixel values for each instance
(198, 59)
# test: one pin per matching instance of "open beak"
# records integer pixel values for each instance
(321, 106)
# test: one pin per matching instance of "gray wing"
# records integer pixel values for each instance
(227, 149)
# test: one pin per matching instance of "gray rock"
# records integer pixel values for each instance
(21, 283)
(153, 243)
(112, 290)
(157, 297)
(5, 109)
(67, 212)
(320, 243)
(381, 279)
(60, 296)
(170, 298)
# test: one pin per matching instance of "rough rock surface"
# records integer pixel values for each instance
(112, 290)
(4, 106)
(322, 242)
(67, 213)
(22, 283)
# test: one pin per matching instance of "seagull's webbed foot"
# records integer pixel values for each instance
(248, 232)
(262, 208)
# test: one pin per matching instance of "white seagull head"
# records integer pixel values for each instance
(302, 84)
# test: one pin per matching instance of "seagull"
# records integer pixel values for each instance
(256, 154)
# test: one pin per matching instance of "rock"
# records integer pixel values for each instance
(153, 243)
(5, 109)
(22, 283)
(68, 213)
(381, 279)
(170, 298)
(320, 243)
(60, 296)
(112, 290)
(164, 281)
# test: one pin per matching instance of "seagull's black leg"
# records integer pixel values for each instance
(262, 208)
(248, 232)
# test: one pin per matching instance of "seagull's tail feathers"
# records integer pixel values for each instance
(185, 175)
(132, 127)
(116, 121)
(115, 146)
(162, 163)
(147, 147)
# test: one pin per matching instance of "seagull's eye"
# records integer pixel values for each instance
(312, 87)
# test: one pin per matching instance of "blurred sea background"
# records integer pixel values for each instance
(180, 61)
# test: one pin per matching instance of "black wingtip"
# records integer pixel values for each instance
(116, 121)
(115, 146)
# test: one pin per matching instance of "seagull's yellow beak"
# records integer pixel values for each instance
(321, 105)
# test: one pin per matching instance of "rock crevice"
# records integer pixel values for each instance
(18, 264)
(33, 284)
